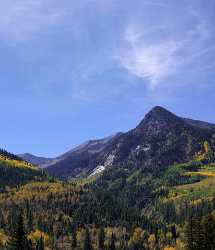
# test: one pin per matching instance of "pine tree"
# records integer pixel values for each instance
(30, 221)
(112, 243)
(74, 240)
(189, 234)
(30, 244)
(40, 244)
(198, 234)
(174, 232)
(87, 241)
(18, 240)
(194, 234)
(101, 238)
(209, 232)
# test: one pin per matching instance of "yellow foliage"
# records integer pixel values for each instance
(206, 147)
(137, 236)
(205, 173)
(119, 232)
(3, 238)
(16, 164)
(38, 191)
(169, 248)
(205, 153)
(80, 234)
(109, 231)
(180, 245)
(35, 236)
(152, 241)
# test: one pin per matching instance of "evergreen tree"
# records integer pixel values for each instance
(30, 220)
(30, 244)
(101, 238)
(40, 244)
(112, 243)
(87, 240)
(209, 232)
(74, 240)
(174, 232)
(189, 234)
(198, 234)
(2, 221)
(194, 234)
(18, 240)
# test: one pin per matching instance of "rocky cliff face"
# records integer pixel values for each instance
(81, 161)
(161, 139)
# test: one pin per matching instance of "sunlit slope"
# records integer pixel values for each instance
(202, 186)
(15, 172)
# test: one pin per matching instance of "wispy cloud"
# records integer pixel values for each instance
(152, 62)
(155, 45)
(161, 51)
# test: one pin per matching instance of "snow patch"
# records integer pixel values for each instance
(109, 160)
(97, 170)
(146, 148)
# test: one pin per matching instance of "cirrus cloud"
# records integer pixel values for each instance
(163, 50)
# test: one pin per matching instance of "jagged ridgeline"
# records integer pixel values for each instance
(14, 171)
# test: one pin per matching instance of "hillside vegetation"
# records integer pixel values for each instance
(15, 172)
(156, 191)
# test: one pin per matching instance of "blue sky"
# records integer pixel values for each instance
(77, 70)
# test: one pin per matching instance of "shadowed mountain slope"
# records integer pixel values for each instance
(161, 139)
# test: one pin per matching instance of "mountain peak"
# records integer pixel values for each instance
(159, 114)
(159, 111)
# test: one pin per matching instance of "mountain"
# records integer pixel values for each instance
(157, 180)
(161, 139)
(200, 124)
(35, 160)
(81, 160)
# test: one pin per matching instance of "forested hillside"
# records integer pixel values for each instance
(156, 193)
(15, 172)
(170, 210)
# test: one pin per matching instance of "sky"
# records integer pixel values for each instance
(77, 70)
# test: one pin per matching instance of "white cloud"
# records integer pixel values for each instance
(152, 62)
(157, 53)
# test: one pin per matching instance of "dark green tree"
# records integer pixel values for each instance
(18, 240)
(101, 238)
(87, 240)
(112, 243)
(198, 234)
(74, 239)
(174, 232)
(30, 244)
(209, 232)
(189, 234)
(194, 234)
(40, 244)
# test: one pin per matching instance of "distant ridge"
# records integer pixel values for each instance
(35, 160)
